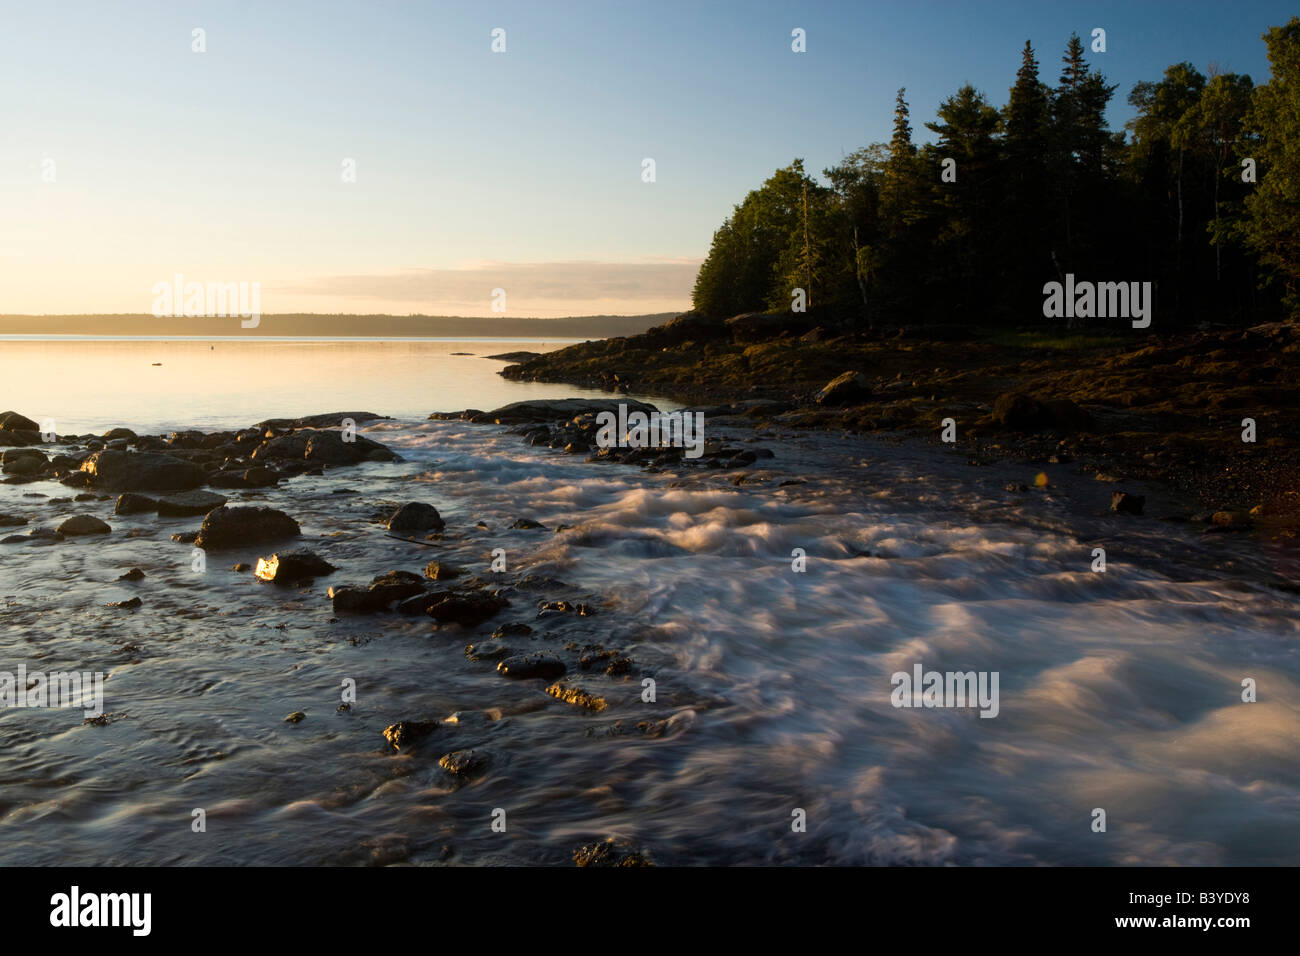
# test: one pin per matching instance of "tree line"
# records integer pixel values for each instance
(1200, 194)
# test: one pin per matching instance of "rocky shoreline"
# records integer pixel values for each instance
(1161, 409)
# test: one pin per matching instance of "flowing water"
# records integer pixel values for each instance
(1118, 690)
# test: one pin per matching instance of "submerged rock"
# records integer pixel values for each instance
(130, 604)
(135, 574)
(468, 609)
(610, 853)
(576, 695)
(227, 527)
(461, 763)
(189, 503)
(11, 520)
(537, 664)
(1121, 502)
(441, 571)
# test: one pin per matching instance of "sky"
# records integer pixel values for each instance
(127, 158)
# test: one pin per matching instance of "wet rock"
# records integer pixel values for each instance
(415, 516)
(350, 599)
(561, 409)
(135, 574)
(513, 629)
(83, 524)
(404, 733)
(323, 420)
(395, 586)
(227, 527)
(242, 566)
(189, 504)
(185, 537)
(520, 356)
(469, 609)
(565, 607)
(129, 503)
(1237, 520)
(1021, 412)
(537, 664)
(610, 853)
(141, 471)
(259, 476)
(325, 447)
(441, 571)
(577, 696)
(130, 604)
(11, 520)
(22, 461)
(462, 763)
(292, 567)
(486, 651)
(295, 717)
(119, 433)
(1121, 502)
(526, 524)
(846, 389)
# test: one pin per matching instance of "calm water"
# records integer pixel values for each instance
(1118, 690)
(92, 385)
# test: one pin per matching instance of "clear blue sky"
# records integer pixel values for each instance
(477, 170)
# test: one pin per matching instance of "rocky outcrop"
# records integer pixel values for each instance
(560, 409)
(323, 446)
(141, 471)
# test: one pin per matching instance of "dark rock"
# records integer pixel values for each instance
(461, 763)
(404, 733)
(292, 567)
(185, 537)
(560, 409)
(22, 461)
(469, 609)
(116, 433)
(546, 666)
(513, 629)
(395, 586)
(227, 527)
(296, 717)
(526, 524)
(752, 327)
(350, 599)
(129, 503)
(83, 524)
(141, 471)
(1021, 412)
(11, 521)
(135, 574)
(416, 516)
(130, 604)
(441, 571)
(610, 853)
(514, 356)
(845, 389)
(1121, 502)
(242, 566)
(189, 504)
(13, 422)
(326, 447)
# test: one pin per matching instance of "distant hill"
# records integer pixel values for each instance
(340, 326)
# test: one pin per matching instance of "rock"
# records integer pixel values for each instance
(527, 524)
(1021, 412)
(295, 717)
(22, 461)
(350, 599)
(441, 571)
(293, 567)
(845, 389)
(610, 853)
(688, 327)
(1121, 502)
(324, 420)
(461, 763)
(185, 537)
(560, 409)
(116, 433)
(141, 471)
(395, 586)
(83, 524)
(537, 664)
(514, 356)
(576, 695)
(513, 629)
(11, 521)
(469, 609)
(1232, 519)
(259, 476)
(326, 447)
(129, 503)
(13, 422)
(227, 527)
(752, 327)
(242, 566)
(135, 574)
(406, 732)
(416, 516)
(130, 604)
(189, 504)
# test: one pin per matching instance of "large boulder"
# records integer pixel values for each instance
(416, 516)
(129, 503)
(13, 422)
(845, 389)
(561, 409)
(141, 471)
(227, 527)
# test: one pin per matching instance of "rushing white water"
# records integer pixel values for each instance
(1118, 690)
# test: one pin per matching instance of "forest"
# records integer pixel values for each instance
(1198, 195)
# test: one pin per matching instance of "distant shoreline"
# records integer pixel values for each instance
(323, 339)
